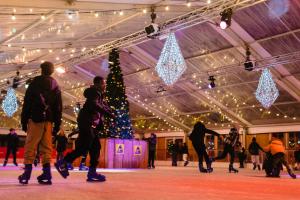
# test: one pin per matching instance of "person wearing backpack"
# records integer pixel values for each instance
(254, 151)
(40, 118)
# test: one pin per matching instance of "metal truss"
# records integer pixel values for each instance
(192, 18)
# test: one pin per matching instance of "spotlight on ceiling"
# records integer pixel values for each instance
(212, 82)
(225, 18)
(153, 29)
(248, 64)
(60, 70)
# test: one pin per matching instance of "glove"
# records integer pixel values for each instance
(24, 127)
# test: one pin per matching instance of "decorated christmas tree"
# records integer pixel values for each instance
(116, 98)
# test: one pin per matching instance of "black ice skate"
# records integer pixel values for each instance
(24, 178)
(231, 169)
(62, 168)
(202, 169)
(45, 177)
(93, 176)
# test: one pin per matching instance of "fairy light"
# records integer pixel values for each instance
(13, 17)
(167, 8)
(43, 17)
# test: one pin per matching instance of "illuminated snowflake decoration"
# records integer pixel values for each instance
(266, 92)
(171, 64)
(10, 103)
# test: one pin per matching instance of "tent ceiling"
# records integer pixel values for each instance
(207, 49)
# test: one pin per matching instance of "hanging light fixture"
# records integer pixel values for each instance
(171, 63)
(266, 92)
(226, 18)
(248, 64)
(212, 82)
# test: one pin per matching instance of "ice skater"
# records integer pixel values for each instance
(12, 146)
(89, 118)
(254, 151)
(230, 142)
(41, 109)
(197, 138)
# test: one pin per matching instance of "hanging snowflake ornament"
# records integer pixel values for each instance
(171, 64)
(10, 103)
(266, 92)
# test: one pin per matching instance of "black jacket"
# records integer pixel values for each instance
(198, 134)
(93, 108)
(254, 148)
(184, 149)
(47, 89)
(12, 141)
(152, 143)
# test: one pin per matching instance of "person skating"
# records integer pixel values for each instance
(197, 138)
(152, 150)
(230, 142)
(254, 151)
(41, 109)
(277, 149)
(61, 144)
(12, 146)
(89, 118)
(242, 157)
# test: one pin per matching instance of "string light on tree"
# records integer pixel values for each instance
(171, 64)
(10, 103)
(266, 92)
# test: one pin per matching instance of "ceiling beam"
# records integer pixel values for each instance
(27, 28)
(63, 5)
(192, 89)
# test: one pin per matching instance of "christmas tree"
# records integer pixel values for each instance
(120, 126)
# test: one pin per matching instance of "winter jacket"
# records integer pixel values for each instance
(254, 148)
(93, 109)
(276, 146)
(232, 139)
(152, 143)
(42, 92)
(12, 141)
(184, 149)
(198, 134)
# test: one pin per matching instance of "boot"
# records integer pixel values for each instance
(70, 166)
(186, 163)
(61, 167)
(24, 178)
(254, 166)
(15, 163)
(202, 169)
(5, 163)
(232, 169)
(209, 168)
(82, 167)
(35, 162)
(45, 177)
(93, 176)
(291, 173)
(258, 167)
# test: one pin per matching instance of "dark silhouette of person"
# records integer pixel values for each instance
(12, 146)
(41, 119)
(89, 119)
(197, 138)
(152, 149)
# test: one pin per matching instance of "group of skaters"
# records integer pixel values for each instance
(41, 120)
(274, 152)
